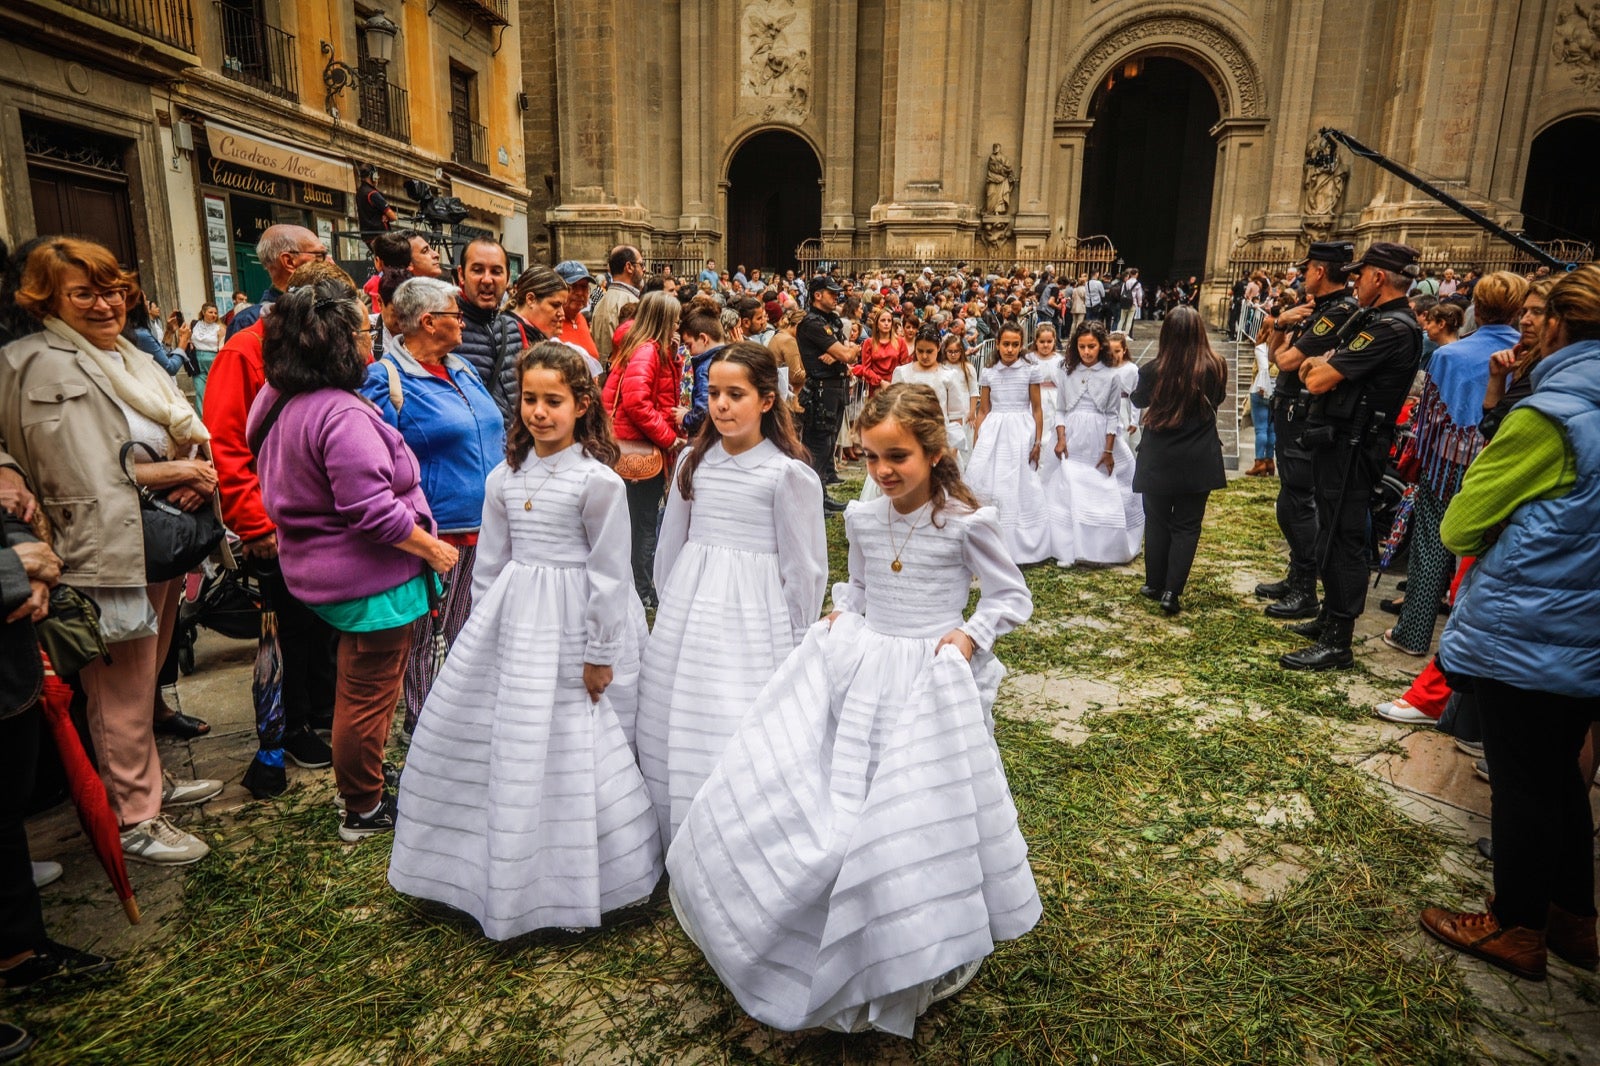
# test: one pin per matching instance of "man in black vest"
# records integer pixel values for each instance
(1357, 390)
(1315, 326)
(827, 357)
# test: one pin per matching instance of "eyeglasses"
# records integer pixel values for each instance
(83, 299)
(446, 314)
(368, 331)
(319, 254)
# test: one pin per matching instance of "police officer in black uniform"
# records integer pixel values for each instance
(827, 356)
(1358, 389)
(1314, 327)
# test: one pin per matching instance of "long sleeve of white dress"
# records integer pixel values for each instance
(674, 531)
(604, 507)
(1105, 388)
(1058, 416)
(494, 535)
(851, 593)
(802, 545)
(1004, 601)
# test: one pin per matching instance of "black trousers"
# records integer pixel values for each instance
(308, 645)
(1543, 833)
(21, 922)
(824, 416)
(1297, 498)
(1344, 477)
(644, 505)
(1171, 535)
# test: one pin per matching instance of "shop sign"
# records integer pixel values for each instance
(264, 186)
(257, 153)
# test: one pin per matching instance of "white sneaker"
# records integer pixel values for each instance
(46, 873)
(160, 842)
(1398, 710)
(954, 981)
(187, 793)
(1469, 747)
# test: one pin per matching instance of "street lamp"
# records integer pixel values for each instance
(378, 33)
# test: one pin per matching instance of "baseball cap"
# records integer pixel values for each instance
(572, 271)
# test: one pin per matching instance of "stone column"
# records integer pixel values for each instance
(1292, 123)
(1066, 168)
(700, 161)
(1038, 161)
(1236, 195)
(839, 114)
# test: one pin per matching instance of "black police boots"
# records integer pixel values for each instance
(1276, 590)
(1300, 602)
(1330, 652)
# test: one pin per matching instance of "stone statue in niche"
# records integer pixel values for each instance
(1576, 42)
(775, 72)
(1002, 179)
(1326, 175)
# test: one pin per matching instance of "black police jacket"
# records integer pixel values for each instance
(1379, 353)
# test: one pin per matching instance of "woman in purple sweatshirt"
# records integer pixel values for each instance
(355, 537)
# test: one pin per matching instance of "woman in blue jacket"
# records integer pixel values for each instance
(442, 408)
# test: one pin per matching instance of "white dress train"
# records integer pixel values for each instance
(521, 803)
(999, 472)
(858, 840)
(741, 570)
(1095, 517)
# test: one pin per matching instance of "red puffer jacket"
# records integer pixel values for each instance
(649, 388)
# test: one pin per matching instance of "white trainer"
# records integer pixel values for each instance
(161, 843)
(46, 873)
(1398, 710)
(187, 793)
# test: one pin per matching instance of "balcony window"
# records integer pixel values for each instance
(256, 52)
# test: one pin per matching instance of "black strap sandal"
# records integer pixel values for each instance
(182, 726)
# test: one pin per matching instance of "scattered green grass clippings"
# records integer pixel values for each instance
(1217, 888)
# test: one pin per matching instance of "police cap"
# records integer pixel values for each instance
(823, 281)
(1333, 254)
(1400, 258)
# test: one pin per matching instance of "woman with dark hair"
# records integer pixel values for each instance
(142, 332)
(536, 307)
(355, 536)
(1180, 454)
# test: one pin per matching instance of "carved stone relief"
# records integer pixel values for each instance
(775, 59)
(1576, 43)
(1322, 187)
(1237, 83)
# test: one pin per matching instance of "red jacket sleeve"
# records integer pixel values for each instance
(231, 387)
(641, 399)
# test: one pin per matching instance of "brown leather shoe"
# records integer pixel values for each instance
(1517, 950)
(1572, 938)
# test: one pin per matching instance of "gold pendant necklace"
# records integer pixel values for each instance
(889, 522)
(527, 504)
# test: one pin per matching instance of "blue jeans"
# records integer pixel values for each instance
(1261, 418)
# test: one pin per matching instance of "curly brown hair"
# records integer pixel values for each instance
(593, 426)
(916, 407)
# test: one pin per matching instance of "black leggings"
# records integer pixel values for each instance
(644, 505)
(21, 922)
(1171, 535)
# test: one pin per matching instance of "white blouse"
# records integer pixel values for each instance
(1096, 387)
(206, 337)
(757, 501)
(1008, 385)
(578, 520)
(941, 379)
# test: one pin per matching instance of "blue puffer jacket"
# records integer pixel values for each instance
(700, 403)
(1528, 614)
(453, 426)
(477, 340)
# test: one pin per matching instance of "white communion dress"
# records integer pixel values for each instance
(1128, 381)
(521, 803)
(999, 472)
(858, 841)
(741, 570)
(952, 401)
(1094, 516)
(963, 387)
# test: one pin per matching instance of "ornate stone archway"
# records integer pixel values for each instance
(1209, 45)
(1204, 43)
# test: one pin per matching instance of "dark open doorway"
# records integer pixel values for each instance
(1148, 166)
(1551, 209)
(774, 201)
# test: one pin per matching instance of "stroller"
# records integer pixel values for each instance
(224, 601)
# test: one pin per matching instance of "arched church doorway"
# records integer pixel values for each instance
(1148, 166)
(1561, 153)
(774, 201)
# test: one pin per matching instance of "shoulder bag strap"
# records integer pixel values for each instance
(259, 437)
(397, 398)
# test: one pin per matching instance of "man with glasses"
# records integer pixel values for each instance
(281, 249)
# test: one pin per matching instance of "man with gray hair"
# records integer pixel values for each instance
(280, 249)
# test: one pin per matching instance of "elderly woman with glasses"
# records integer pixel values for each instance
(355, 535)
(445, 413)
(71, 397)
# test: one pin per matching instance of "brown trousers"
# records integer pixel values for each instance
(371, 672)
(122, 702)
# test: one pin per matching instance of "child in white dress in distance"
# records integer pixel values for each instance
(1128, 377)
(741, 566)
(855, 855)
(964, 385)
(521, 802)
(1004, 469)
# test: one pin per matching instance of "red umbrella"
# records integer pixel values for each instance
(88, 791)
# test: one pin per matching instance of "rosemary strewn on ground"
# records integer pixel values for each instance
(1217, 888)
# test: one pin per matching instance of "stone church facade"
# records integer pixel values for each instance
(937, 127)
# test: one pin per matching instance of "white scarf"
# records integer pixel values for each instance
(139, 383)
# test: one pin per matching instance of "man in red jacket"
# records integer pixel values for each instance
(306, 643)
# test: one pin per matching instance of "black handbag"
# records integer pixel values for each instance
(175, 540)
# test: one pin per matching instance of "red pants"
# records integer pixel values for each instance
(1429, 692)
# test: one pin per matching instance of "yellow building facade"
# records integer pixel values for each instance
(175, 131)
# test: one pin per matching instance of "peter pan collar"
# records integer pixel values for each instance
(559, 461)
(746, 460)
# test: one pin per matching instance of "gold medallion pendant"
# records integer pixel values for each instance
(895, 566)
